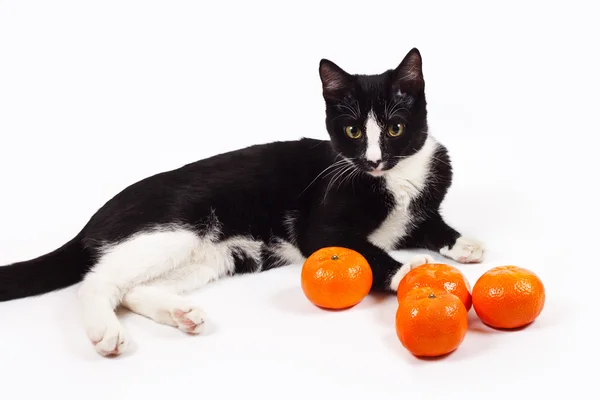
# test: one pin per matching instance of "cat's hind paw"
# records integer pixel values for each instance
(190, 320)
(109, 339)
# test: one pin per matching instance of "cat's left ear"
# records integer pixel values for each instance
(408, 76)
(336, 82)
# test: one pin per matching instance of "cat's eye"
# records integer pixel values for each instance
(395, 130)
(353, 132)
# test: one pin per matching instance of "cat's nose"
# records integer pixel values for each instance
(374, 164)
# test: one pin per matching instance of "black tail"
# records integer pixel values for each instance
(63, 267)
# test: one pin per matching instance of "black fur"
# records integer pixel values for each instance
(63, 267)
(253, 191)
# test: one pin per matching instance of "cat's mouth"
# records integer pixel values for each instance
(376, 172)
(376, 169)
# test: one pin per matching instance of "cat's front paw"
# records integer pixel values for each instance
(420, 259)
(414, 262)
(465, 251)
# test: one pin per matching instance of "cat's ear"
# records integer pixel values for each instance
(336, 82)
(408, 76)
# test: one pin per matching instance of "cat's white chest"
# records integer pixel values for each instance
(405, 181)
(395, 226)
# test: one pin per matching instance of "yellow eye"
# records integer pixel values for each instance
(353, 132)
(395, 130)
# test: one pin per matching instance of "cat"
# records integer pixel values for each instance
(375, 186)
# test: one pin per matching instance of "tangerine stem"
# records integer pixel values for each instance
(334, 257)
(431, 296)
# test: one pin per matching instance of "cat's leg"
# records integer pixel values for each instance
(387, 271)
(164, 307)
(161, 300)
(404, 268)
(141, 258)
(436, 235)
(465, 250)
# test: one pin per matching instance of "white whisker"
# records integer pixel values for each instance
(349, 176)
(350, 107)
(339, 173)
(335, 164)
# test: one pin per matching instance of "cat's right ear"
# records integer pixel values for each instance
(336, 82)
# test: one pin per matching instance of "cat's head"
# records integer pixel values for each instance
(376, 120)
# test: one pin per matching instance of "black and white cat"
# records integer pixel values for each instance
(376, 186)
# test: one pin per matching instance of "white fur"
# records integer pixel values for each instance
(333, 84)
(373, 134)
(405, 99)
(148, 272)
(412, 74)
(405, 181)
(287, 252)
(164, 307)
(465, 251)
(143, 257)
(414, 262)
(289, 221)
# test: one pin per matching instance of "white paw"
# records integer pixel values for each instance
(420, 259)
(108, 339)
(190, 320)
(465, 251)
(414, 262)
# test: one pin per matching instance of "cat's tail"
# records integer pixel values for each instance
(63, 267)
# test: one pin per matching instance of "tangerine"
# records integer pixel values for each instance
(440, 276)
(431, 322)
(336, 278)
(508, 297)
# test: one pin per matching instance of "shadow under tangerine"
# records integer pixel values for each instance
(518, 328)
(435, 358)
(335, 309)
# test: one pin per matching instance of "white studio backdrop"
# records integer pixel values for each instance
(97, 95)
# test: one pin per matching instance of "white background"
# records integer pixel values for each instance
(97, 95)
